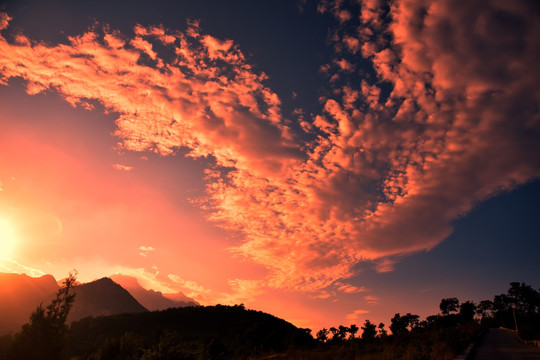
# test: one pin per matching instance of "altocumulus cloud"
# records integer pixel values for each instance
(387, 172)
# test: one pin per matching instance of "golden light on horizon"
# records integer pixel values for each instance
(7, 239)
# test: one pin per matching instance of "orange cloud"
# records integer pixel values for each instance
(350, 289)
(373, 300)
(356, 315)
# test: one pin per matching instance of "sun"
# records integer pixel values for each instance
(7, 239)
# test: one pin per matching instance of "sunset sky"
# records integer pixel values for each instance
(327, 162)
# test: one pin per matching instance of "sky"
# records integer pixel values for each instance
(324, 161)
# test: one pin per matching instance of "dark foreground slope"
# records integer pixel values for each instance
(212, 332)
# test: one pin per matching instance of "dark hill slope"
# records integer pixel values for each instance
(102, 297)
(224, 332)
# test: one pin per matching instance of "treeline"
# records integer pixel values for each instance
(441, 336)
(438, 337)
(233, 332)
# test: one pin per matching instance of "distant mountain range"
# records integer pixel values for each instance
(150, 299)
(20, 294)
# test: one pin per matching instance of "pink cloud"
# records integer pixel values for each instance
(4, 20)
(122, 167)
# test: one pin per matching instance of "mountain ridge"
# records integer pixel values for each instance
(21, 294)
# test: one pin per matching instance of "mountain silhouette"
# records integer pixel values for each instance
(150, 299)
(20, 294)
(102, 297)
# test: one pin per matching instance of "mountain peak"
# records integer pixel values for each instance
(126, 281)
(151, 299)
(102, 297)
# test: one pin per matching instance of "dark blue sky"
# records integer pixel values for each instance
(495, 244)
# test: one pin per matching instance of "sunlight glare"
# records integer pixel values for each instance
(7, 239)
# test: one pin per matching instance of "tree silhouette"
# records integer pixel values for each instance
(467, 311)
(521, 304)
(353, 329)
(398, 325)
(449, 305)
(370, 330)
(524, 297)
(382, 330)
(339, 334)
(334, 332)
(401, 324)
(501, 303)
(43, 336)
(322, 335)
(412, 320)
(484, 308)
(342, 332)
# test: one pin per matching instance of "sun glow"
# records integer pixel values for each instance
(7, 239)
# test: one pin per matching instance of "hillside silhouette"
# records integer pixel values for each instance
(213, 332)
